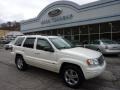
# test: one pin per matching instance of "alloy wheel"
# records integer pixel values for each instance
(71, 77)
(20, 63)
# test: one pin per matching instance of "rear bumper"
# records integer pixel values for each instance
(94, 71)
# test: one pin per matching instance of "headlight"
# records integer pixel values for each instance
(92, 62)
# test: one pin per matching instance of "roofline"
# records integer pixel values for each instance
(74, 5)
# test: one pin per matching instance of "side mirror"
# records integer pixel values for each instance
(48, 49)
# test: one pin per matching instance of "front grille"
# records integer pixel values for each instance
(101, 60)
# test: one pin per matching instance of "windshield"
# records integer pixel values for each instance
(61, 43)
(109, 42)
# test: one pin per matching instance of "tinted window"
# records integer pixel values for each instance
(96, 42)
(29, 43)
(19, 41)
(42, 44)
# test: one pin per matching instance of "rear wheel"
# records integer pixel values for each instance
(72, 76)
(20, 63)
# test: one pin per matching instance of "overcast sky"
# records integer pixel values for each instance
(16, 10)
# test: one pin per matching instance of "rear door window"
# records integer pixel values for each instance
(29, 42)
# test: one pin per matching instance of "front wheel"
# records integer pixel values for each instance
(72, 76)
(20, 63)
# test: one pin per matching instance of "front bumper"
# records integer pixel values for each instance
(92, 72)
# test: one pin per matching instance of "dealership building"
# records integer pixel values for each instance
(97, 20)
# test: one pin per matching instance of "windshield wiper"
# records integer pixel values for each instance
(65, 47)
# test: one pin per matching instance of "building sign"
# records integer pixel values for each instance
(55, 12)
(57, 19)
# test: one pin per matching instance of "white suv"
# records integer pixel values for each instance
(57, 54)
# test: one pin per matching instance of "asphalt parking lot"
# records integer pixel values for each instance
(38, 79)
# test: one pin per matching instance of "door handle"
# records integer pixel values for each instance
(22, 50)
(37, 53)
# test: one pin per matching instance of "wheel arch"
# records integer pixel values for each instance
(71, 64)
(18, 55)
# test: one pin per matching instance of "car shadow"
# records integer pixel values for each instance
(55, 80)
(111, 55)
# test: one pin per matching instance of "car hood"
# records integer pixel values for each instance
(79, 51)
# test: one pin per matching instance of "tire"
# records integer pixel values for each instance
(72, 76)
(20, 63)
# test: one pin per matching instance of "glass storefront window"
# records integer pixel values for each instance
(60, 32)
(67, 31)
(75, 30)
(94, 28)
(108, 30)
(54, 32)
(76, 37)
(105, 36)
(84, 38)
(116, 36)
(42, 32)
(116, 26)
(48, 32)
(84, 29)
(94, 37)
(67, 37)
(105, 27)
